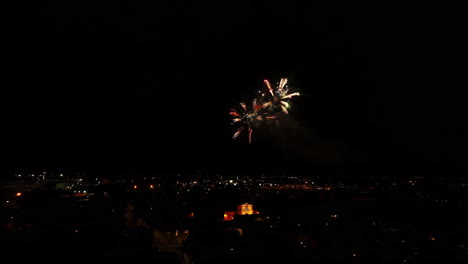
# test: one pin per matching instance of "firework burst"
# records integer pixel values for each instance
(280, 96)
(264, 108)
(248, 118)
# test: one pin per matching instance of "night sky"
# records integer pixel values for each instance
(126, 85)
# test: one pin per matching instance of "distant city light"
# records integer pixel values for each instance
(212, 187)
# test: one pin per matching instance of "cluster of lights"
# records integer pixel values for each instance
(151, 186)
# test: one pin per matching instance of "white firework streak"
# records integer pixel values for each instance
(238, 131)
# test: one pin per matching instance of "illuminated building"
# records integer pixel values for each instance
(245, 209)
(229, 215)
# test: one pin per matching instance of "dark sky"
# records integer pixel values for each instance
(127, 85)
